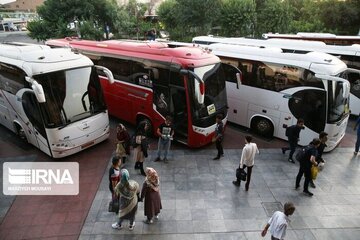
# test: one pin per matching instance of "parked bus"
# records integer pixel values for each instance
(327, 38)
(278, 88)
(153, 80)
(52, 98)
(348, 54)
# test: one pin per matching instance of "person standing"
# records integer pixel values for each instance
(357, 144)
(219, 135)
(308, 160)
(140, 150)
(293, 134)
(114, 176)
(278, 223)
(151, 193)
(165, 132)
(123, 144)
(128, 191)
(323, 138)
(247, 160)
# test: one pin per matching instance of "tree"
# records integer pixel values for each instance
(306, 16)
(237, 18)
(92, 16)
(340, 17)
(274, 16)
(187, 18)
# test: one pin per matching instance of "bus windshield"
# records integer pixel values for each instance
(215, 91)
(71, 95)
(338, 101)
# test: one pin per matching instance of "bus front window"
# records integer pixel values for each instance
(215, 92)
(71, 95)
(338, 101)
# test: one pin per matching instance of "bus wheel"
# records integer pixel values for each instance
(148, 122)
(21, 133)
(263, 127)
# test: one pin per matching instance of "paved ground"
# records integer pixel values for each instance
(200, 202)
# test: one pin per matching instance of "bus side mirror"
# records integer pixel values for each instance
(38, 89)
(199, 86)
(238, 79)
(107, 72)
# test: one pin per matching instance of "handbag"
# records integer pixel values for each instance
(114, 205)
(240, 174)
(314, 172)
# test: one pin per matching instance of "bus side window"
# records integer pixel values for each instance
(12, 79)
(119, 67)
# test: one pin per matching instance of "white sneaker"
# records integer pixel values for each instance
(157, 217)
(147, 221)
(116, 226)
(131, 227)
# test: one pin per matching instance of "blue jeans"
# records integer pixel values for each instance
(163, 144)
(357, 144)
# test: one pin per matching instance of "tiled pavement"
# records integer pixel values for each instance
(200, 202)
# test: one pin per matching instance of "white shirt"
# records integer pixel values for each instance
(248, 154)
(278, 225)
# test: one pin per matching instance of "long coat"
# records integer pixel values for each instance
(152, 201)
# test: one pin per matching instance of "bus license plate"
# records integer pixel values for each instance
(87, 144)
(211, 109)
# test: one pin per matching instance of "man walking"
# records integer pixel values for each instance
(323, 138)
(247, 160)
(293, 133)
(357, 144)
(278, 222)
(219, 134)
(166, 133)
(306, 162)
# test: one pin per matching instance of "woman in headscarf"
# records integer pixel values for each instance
(151, 193)
(128, 190)
(140, 150)
(123, 142)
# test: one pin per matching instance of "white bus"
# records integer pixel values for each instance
(52, 98)
(278, 88)
(348, 54)
(327, 38)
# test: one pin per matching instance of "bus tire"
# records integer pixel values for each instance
(150, 131)
(263, 127)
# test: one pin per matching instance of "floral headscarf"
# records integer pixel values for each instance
(152, 179)
(126, 188)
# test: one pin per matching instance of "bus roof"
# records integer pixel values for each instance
(139, 49)
(285, 44)
(328, 38)
(317, 62)
(36, 59)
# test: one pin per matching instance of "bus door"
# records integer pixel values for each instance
(35, 129)
(233, 84)
(353, 76)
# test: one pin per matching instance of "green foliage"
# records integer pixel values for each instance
(92, 16)
(237, 18)
(273, 17)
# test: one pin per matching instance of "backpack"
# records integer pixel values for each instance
(301, 154)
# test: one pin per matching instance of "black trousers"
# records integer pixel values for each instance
(306, 171)
(292, 147)
(248, 176)
(219, 148)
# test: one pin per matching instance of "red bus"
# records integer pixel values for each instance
(153, 80)
(327, 38)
